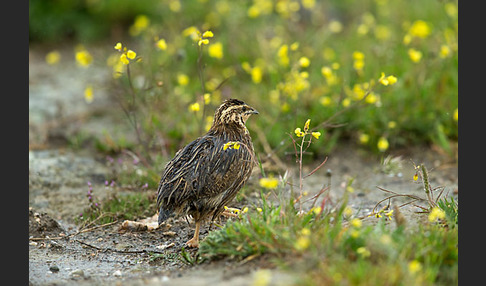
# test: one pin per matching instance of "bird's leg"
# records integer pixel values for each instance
(194, 242)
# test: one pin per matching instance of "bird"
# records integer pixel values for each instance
(204, 176)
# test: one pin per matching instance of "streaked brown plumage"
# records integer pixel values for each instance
(204, 176)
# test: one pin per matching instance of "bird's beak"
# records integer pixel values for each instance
(254, 111)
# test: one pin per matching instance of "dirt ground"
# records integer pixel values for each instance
(61, 254)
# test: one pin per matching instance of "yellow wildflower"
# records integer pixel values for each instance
(325, 101)
(348, 211)
(118, 46)
(194, 107)
(268, 183)
(455, 116)
(131, 54)
(335, 26)
(299, 132)
(304, 62)
(256, 74)
(364, 138)
(140, 23)
(444, 52)
(363, 252)
(316, 134)
(259, 210)
(207, 98)
(216, 50)
(283, 57)
(389, 214)
(382, 144)
(88, 94)
(191, 31)
(305, 231)
(161, 44)
(357, 55)
(302, 243)
(175, 5)
(203, 42)
(208, 34)
(316, 210)
(53, 57)
(356, 222)
(435, 214)
(83, 58)
(387, 80)
(392, 124)
(346, 102)
(414, 266)
(420, 29)
(294, 46)
(182, 79)
(231, 145)
(415, 55)
(262, 277)
(415, 177)
(123, 59)
(306, 125)
(308, 4)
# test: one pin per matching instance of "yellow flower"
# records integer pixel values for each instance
(364, 138)
(346, 102)
(259, 210)
(389, 214)
(357, 55)
(316, 210)
(306, 125)
(207, 98)
(123, 59)
(356, 222)
(231, 145)
(192, 32)
(363, 252)
(140, 23)
(304, 62)
(208, 34)
(216, 50)
(268, 183)
(435, 214)
(283, 57)
(348, 211)
(118, 46)
(182, 79)
(420, 29)
(444, 52)
(256, 74)
(302, 243)
(415, 177)
(387, 80)
(305, 231)
(415, 55)
(392, 124)
(455, 116)
(308, 4)
(244, 210)
(161, 44)
(382, 144)
(194, 107)
(316, 134)
(299, 132)
(131, 54)
(175, 5)
(335, 27)
(262, 277)
(203, 42)
(414, 266)
(325, 101)
(88, 94)
(53, 57)
(83, 58)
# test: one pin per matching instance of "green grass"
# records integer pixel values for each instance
(418, 109)
(327, 247)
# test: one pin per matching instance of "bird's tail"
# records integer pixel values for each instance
(164, 214)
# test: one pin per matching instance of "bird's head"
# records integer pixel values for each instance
(233, 111)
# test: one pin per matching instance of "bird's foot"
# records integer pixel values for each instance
(229, 213)
(193, 242)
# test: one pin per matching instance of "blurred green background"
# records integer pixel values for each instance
(291, 60)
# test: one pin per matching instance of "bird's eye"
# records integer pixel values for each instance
(245, 109)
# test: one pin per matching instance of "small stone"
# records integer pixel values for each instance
(117, 273)
(76, 273)
(54, 268)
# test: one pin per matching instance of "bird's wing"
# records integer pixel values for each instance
(197, 171)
